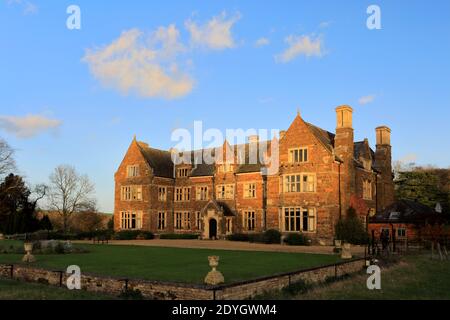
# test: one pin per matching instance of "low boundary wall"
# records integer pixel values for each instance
(181, 291)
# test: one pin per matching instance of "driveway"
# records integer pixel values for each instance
(231, 245)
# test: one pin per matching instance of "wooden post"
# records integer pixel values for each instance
(440, 251)
(432, 250)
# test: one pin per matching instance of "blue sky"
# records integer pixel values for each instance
(60, 105)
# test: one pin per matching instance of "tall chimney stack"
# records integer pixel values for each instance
(344, 149)
(383, 162)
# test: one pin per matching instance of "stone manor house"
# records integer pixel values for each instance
(319, 173)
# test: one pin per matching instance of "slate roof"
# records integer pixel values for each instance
(162, 164)
(324, 136)
(407, 211)
(160, 161)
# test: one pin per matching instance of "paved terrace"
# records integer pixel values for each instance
(231, 245)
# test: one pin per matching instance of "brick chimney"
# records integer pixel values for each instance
(383, 162)
(344, 149)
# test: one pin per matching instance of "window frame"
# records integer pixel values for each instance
(127, 217)
(294, 222)
(302, 153)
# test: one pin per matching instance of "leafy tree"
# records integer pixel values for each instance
(17, 211)
(351, 229)
(111, 224)
(425, 185)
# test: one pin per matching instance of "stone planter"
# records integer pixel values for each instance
(346, 253)
(28, 246)
(214, 277)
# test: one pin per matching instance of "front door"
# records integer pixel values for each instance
(212, 229)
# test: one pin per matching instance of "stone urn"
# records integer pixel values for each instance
(28, 246)
(346, 253)
(214, 277)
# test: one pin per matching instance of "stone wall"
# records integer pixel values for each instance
(178, 291)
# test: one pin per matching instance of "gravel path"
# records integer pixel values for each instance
(231, 245)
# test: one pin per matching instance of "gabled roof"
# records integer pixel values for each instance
(407, 211)
(160, 161)
(324, 136)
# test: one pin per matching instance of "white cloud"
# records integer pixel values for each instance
(325, 24)
(261, 42)
(28, 7)
(300, 45)
(27, 126)
(145, 64)
(366, 99)
(215, 34)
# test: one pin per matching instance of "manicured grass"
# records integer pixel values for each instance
(15, 290)
(414, 278)
(176, 264)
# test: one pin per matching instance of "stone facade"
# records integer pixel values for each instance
(333, 169)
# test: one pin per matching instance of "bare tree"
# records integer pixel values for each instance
(7, 163)
(69, 193)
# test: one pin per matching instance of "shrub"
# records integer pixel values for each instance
(133, 235)
(267, 237)
(350, 229)
(59, 248)
(238, 237)
(175, 236)
(131, 294)
(296, 239)
(298, 287)
(271, 236)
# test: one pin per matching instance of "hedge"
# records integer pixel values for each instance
(296, 239)
(175, 236)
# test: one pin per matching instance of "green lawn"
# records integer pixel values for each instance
(15, 290)
(414, 278)
(175, 264)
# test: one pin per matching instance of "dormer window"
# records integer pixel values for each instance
(182, 172)
(298, 155)
(132, 171)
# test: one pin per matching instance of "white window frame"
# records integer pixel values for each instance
(162, 220)
(202, 193)
(298, 155)
(225, 192)
(250, 190)
(162, 193)
(249, 222)
(295, 183)
(131, 193)
(294, 221)
(130, 218)
(182, 172)
(132, 171)
(182, 194)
